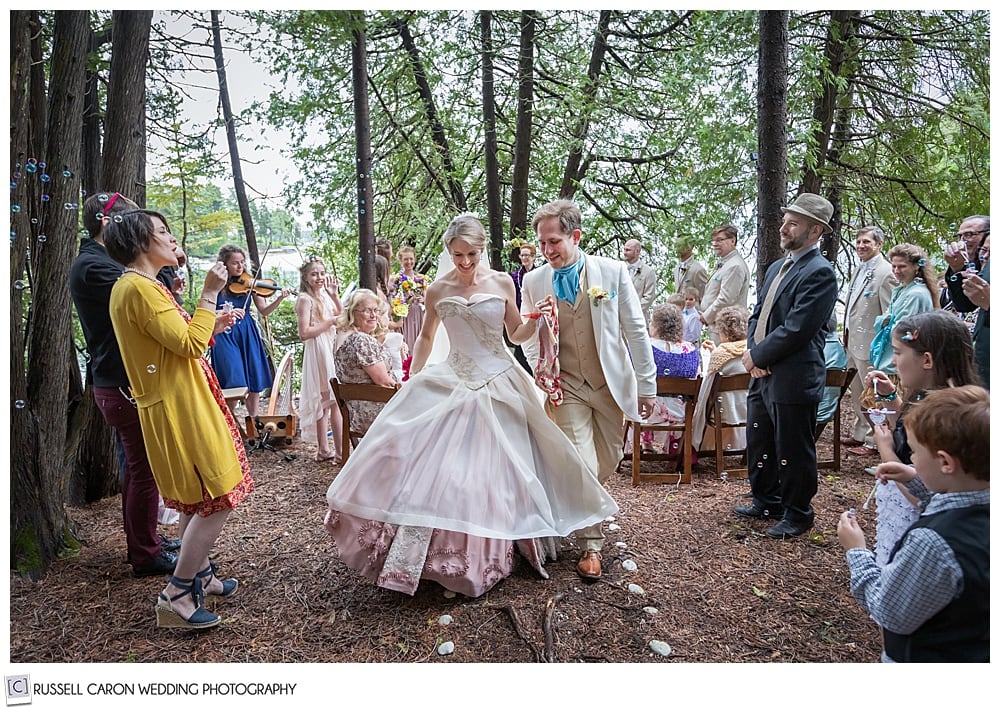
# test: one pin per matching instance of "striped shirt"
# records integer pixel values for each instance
(923, 577)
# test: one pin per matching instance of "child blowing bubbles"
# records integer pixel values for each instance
(932, 599)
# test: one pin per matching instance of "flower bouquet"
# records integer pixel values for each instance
(411, 288)
(399, 309)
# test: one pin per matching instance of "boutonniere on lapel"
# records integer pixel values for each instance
(867, 293)
(598, 294)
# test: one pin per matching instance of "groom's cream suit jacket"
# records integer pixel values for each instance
(623, 346)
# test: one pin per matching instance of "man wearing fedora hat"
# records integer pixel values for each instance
(784, 356)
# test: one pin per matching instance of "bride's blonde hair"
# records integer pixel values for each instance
(468, 228)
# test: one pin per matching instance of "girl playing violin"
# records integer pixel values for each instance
(239, 357)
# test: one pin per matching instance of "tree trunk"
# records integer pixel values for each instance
(830, 244)
(840, 53)
(90, 170)
(522, 138)
(22, 429)
(456, 195)
(89, 440)
(572, 173)
(772, 148)
(234, 152)
(363, 148)
(494, 208)
(125, 135)
(40, 528)
(839, 37)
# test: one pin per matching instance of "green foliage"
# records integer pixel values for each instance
(669, 132)
(27, 557)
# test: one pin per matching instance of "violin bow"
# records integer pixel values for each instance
(253, 277)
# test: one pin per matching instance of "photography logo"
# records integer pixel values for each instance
(18, 689)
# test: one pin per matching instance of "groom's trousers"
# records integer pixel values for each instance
(593, 422)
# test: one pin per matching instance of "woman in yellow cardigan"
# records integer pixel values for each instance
(194, 447)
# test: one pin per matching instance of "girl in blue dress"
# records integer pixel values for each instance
(239, 357)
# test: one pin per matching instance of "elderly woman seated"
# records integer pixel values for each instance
(360, 357)
(674, 357)
(723, 359)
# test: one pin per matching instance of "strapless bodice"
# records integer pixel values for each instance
(475, 332)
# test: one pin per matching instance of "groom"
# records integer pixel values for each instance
(605, 357)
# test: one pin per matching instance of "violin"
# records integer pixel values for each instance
(245, 284)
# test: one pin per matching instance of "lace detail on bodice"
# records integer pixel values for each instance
(474, 329)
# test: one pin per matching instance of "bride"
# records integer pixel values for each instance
(463, 464)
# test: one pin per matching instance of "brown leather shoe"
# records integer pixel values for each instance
(850, 441)
(589, 566)
(862, 451)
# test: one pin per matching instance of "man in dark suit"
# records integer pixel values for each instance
(784, 357)
(971, 290)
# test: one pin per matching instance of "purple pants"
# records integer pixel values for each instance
(140, 496)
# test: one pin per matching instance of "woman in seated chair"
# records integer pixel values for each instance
(674, 357)
(723, 359)
(360, 357)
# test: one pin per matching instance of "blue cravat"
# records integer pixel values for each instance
(566, 281)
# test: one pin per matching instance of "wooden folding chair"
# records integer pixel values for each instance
(687, 389)
(721, 385)
(347, 391)
(835, 377)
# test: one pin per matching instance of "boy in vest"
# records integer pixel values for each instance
(932, 599)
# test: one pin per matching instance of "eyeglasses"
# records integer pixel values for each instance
(964, 236)
(367, 311)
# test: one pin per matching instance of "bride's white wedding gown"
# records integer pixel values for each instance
(461, 465)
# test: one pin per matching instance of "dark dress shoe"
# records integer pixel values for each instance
(787, 528)
(755, 510)
(169, 545)
(162, 564)
(589, 566)
(862, 451)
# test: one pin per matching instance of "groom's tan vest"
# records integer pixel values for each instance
(579, 360)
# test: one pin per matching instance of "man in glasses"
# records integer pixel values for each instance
(968, 279)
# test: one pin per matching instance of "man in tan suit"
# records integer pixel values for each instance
(689, 272)
(729, 284)
(867, 297)
(605, 357)
(643, 276)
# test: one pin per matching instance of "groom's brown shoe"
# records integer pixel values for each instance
(589, 566)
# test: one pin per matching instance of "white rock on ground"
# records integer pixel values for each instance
(651, 610)
(630, 565)
(448, 647)
(660, 647)
(445, 619)
(637, 590)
